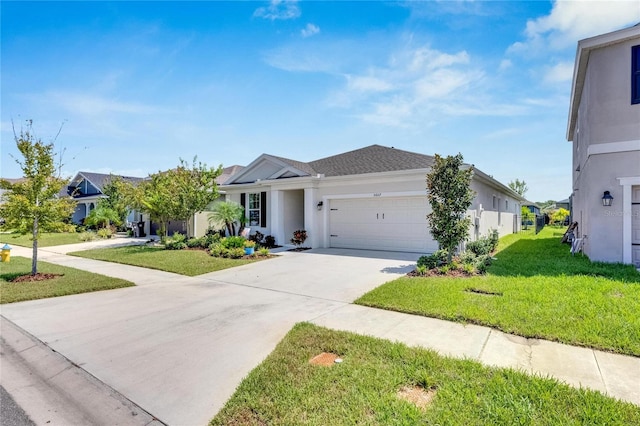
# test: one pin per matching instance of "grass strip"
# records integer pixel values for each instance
(285, 389)
(184, 262)
(72, 281)
(535, 289)
(47, 239)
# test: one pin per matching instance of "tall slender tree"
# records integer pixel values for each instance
(519, 186)
(33, 203)
(450, 195)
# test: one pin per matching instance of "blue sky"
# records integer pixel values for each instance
(139, 85)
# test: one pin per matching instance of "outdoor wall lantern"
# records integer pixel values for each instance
(607, 199)
(319, 206)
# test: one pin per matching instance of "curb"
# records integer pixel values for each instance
(53, 390)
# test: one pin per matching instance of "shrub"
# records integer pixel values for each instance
(233, 242)
(484, 245)
(249, 244)
(421, 270)
(258, 238)
(60, 227)
(236, 253)
(438, 258)
(104, 233)
(176, 242)
(217, 250)
(87, 236)
(468, 268)
(299, 237)
(263, 251)
(195, 242)
(269, 241)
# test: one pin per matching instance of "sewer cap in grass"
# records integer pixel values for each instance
(326, 359)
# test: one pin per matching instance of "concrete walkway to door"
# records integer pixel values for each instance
(178, 346)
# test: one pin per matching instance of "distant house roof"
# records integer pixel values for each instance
(98, 180)
(227, 172)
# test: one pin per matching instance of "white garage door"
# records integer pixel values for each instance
(396, 224)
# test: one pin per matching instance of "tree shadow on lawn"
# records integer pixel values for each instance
(549, 257)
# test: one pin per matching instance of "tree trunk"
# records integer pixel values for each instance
(34, 256)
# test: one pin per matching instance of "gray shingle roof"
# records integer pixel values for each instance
(371, 159)
(101, 179)
(304, 167)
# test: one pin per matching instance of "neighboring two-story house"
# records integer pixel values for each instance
(604, 127)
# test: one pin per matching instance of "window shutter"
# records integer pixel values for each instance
(263, 209)
(243, 202)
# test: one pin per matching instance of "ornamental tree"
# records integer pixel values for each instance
(176, 194)
(32, 203)
(450, 195)
(519, 187)
(196, 188)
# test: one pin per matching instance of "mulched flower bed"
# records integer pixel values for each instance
(37, 277)
(450, 273)
(300, 249)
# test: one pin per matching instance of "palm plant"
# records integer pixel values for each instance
(228, 213)
(102, 217)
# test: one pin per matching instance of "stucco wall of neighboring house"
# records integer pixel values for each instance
(495, 209)
(603, 225)
(606, 146)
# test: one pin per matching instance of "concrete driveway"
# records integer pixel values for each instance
(179, 347)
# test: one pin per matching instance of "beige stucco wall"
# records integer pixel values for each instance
(300, 211)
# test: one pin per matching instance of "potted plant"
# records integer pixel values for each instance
(249, 247)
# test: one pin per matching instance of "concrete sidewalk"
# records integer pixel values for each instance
(178, 346)
(615, 375)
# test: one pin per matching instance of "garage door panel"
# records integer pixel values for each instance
(397, 224)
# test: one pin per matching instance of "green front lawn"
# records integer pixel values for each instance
(536, 289)
(46, 239)
(184, 262)
(73, 281)
(286, 390)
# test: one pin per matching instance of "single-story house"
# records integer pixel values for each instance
(604, 129)
(371, 198)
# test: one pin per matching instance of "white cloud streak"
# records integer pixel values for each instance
(310, 30)
(278, 10)
(570, 21)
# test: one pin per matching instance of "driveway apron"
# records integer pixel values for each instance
(179, 346)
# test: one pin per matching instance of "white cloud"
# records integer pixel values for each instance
(559, 73)
(88, 104)
(279, 9)
(368, 84)
(505, 64)
(570, 21)
(310, 30)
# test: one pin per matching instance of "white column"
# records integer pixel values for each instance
(277, 216)
(310, 214)
(626, 183)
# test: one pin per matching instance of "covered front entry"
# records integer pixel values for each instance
(393, 224)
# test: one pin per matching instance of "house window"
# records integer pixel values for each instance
(506, 205)
(254, 209)
(635, 74)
